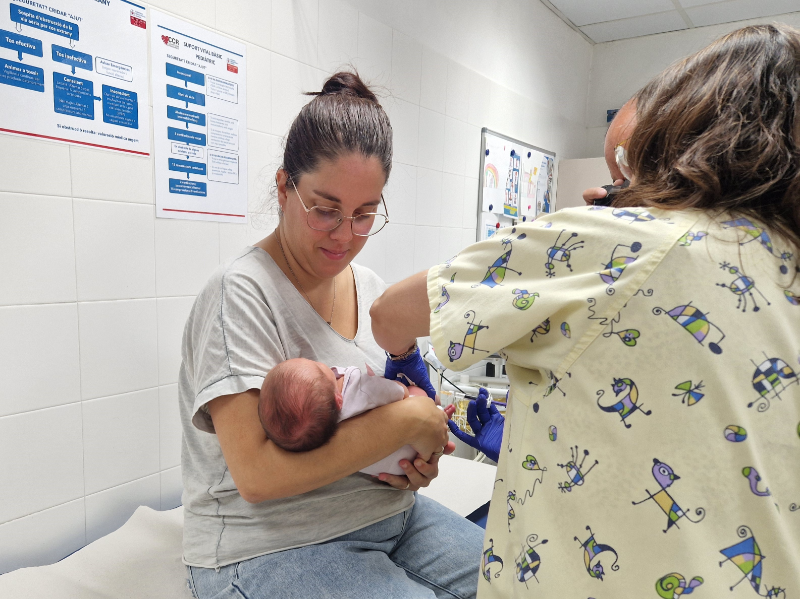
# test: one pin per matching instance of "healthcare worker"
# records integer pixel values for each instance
(653, 423)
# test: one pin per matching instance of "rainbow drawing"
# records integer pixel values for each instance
(490, 176)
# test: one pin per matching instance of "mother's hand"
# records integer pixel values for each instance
(419, 474)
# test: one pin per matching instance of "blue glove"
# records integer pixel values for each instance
(411, 370)
(486, 422)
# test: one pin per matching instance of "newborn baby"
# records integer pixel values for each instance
(302, 402)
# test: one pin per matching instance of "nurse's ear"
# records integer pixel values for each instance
(339, 400)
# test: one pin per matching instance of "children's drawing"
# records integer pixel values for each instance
(735, 433)
(665, 477)
(689, 393)
(754, 478)
(617, 264)
(747, 557)
(529, 561)
(496, 272)
(591, 550)
(575, 473)
(490, 562)
(694, 321)
(769, 380)
(523, 300)
(561, 252)
(445, 295)
(456, 350)
(628, 404)
(742, 287)
(674, 585)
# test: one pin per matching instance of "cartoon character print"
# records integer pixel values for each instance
(757, 233)
(554, 381)
(690, 236)
(565, 330)
(675, 585)
(552, 433)
(542, 329)
(626, 336)
(742, 287)
(769, 380)
(456, 350)
(617, 264)
(628, 404)
(529, 561)
(632, 216)
(689, 393)
(512, 497)
(489, 562)
(735, 433)
(575, 473)
(791, 298)
(754, 479)
(561, 252)
(445, 295)
(665, 477)
(496, 273)
(591, 550)
(747, 557)
(523, 300)
(531, 464)
(695, 322)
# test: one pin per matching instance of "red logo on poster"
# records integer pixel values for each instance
(137, 19)
(233, 68)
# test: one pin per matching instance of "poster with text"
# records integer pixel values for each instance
(75, 71)
(199, 122)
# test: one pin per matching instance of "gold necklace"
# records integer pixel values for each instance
(301, 285)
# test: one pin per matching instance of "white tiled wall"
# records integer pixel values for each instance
(95, 290)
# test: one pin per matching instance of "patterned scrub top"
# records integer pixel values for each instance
(652, 441)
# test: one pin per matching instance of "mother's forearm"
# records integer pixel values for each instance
(401, 314)
(263, 471)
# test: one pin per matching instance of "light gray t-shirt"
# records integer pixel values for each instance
(248, 318)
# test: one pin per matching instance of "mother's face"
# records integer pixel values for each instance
(351, 183)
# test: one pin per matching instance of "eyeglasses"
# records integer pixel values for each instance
(322, 218)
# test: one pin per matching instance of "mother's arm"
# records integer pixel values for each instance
(263, 471)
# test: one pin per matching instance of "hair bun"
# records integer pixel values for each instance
(346, 83)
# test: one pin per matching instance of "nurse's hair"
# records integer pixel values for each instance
(719, 131)
(344, 117)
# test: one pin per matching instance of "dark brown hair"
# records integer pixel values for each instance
(719, 131)
(344, 117)
(297, 408)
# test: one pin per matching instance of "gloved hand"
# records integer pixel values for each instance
(486, 422)
(411, 370)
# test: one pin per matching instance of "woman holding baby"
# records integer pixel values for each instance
(259, 519)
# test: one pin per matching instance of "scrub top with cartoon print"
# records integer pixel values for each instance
(652, 438)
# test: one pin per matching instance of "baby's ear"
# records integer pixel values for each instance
(369, 369)
(339, 400)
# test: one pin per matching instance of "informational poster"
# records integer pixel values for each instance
(199, 122)
(75, 71)
(514, 184)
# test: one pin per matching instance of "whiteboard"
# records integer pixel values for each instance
(516, 182)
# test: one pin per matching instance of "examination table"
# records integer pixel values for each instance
(142, 559)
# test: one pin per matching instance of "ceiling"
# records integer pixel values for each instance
(608, 20)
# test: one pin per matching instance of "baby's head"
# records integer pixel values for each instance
(299, 405)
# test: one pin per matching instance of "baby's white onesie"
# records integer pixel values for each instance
(361, 393)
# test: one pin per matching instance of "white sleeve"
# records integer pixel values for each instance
(367, 392)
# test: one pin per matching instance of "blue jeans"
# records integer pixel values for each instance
(427, 551)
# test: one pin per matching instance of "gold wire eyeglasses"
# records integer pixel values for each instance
(323, 218)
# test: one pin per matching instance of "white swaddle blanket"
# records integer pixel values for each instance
(361, 393)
